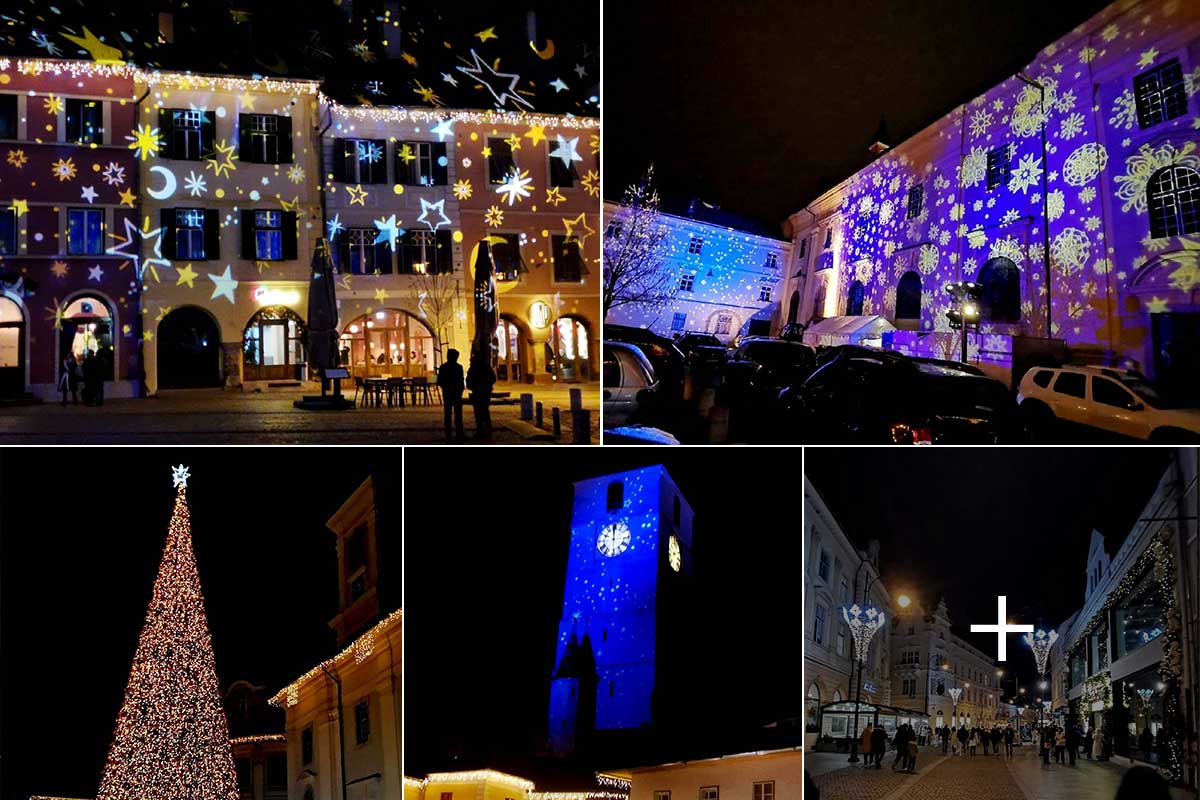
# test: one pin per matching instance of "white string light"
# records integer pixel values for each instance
(290, 694)
(1040, 641)
(863, 623)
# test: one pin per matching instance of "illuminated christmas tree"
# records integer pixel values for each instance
(172, 738)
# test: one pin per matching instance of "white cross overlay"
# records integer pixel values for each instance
(1002, 628)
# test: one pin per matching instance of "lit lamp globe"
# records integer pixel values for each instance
(904, 601)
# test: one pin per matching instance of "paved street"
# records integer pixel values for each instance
(968, 778)
(213, 416)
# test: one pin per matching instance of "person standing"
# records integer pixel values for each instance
(901, 743)
(1087, 743)
(1046, 744)
(70, 379)
(1072, 742)
(1060, 745)
(973, 742)
(944, 735)
(963, 738)
(450, 381)
(1098, 744)
(480, 380)
(878, 745)
(1008, 741)
(865, 744)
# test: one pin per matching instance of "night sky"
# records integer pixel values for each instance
(975, 523)
(81, 534)
(760, 107)
(482, 606)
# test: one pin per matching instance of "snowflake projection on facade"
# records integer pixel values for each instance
(974, 167)
(114, 174)
(1065, 101)
(976, 238)
(53, 104)
(43, 41)
(981, 120)
(1027, 173)
(296, 174)
(1082, 166)
(889, 299)
(866, 205)
(1186, 277)
(195, 184)
(1070, 126)
(886, 209)
(1008, 247)
(1124, 111)
(927, 259)
(369, 151)
(1070, 250)
(1131, 187)
(64, 170)
(1056, 204)
(1027, 115)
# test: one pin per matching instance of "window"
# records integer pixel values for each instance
(8, 232)
(909, 687)
(277, 771)
(772, 261)
(500, 162)
(422, 164)
(189, 233)
(1071, 383)
(268, 238)
(1138, 619)
(362, 256)
(85, 230)
(997, 167)
(724, 323)
(660, 794)
(828, 239)
(1111, 393)
(1042, 377)
(819, 625)
(1160, 94)
(447, 795)
(764, 293)
(562, 173)
(8, 116)
(359, 160)
(1001, 294)
(841, 640)
(803, 247)
(615, 499)
(764, 790)
(306, 745)
(908, 296)
(269, 235)
(362, 722)
(1173, 198)
(568, 263)
(916, 201)
(845, 592)
(695, 245)
(186, 134)
(709, 793)
(812, 709)
(854, 300)
(265, 138)
(506, 254)
(85, 121)
(424, 252)
(679, 321)
(687, 282)
(823, 565)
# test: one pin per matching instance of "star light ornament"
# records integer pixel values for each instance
(1040, 641)
(439, 207)
(179, 475)
(516, 187)
(864, 622)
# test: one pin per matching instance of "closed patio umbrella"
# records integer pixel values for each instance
(322, 341)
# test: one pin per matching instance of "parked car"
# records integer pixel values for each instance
(627, 377)
(871, 397)
(661, 352)
(792, 332)
(1119, 401)
(698, 346)
(770, 363)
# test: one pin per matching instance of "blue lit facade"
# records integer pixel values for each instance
(625, 531)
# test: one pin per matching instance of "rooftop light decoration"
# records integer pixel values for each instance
(1039, 642)
(864, 622)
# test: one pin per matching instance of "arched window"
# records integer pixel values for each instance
(854, 300)
(388, 342)
(793, 306)
(616, 496)
(87, 332)
(812, 709)
(1173, 197)
(908, 296)
(819, 303)
(1001, 282)
(837, 695)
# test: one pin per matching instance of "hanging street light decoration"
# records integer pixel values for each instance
(1040, 641)
(864, 622)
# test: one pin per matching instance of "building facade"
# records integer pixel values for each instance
(70, 188)
(837, 574)
(1068, 191)
(763, 775)
(259, 746)
(724, 281)
(1126, 662)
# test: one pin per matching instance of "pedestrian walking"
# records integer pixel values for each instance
(450, 381)
(1060, 745)
(912, 757)
(901, 743)
(1072, 742)
(983, 737)
(878, 745)
(1146, 742)
(963, 737)
(944, 735)
(1046, 743)
(1009, 735)
(1087, 744)
(480, 380)
(997, 737)
(69, 381)
(973, 742)
(865, 744)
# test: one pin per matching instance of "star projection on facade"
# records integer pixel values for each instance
(179, 475)
(571, 226)
(64, 169)
(443, 129)
(334, 225)
(223, 285)
(17, 158)
(477, 71)
(494, 217)
(130, 246)
(566, 150)
(187, 275)
(113, 174)
(515, 187)
(439, 207)
(195, 184)
(88, 193)
(462, 189)
(145, 141)
(591, 182)
(358, 195)
(554, 196)
(1027, 173)
(222, 161)
(388, 232)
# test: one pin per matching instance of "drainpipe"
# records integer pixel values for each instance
(137, 329)
(320, 148)
(1045, 204)
(341, 727)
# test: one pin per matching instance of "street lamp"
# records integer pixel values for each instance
(1039, 642)
(904, 601)
(955, 693)
(864, 622)
(965, 297)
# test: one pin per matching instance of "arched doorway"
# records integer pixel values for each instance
(510, 350)
(793, 306)
(571, 350)
(388, 342)
(908, 296)
(12, 348)
(854, 300)
(1001, 281)
(189, 350)
(273, 345)
(812, 709)
(87, 328)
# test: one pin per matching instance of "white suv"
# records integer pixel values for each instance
(1120, 401)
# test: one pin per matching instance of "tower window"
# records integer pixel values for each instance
(1160, 94)
(306, 745)
(362, 723)
(916, 200)
(616, 496)
(998, 167)
(1173, 198)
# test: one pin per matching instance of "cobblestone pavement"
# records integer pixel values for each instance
(977, 777)
(1087, 780)
(857, 783)
(213, 416)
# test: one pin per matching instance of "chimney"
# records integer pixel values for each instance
(882, 137)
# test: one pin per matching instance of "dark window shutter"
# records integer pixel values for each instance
(445, 251)
(403, 170)
(441, 173)
(343, 254)
(248, 233)
(339, 160)
(378, 169)
(164, 133)
(406, 254)
(285, 140)
(208, 135)
(212, 234)
(383, 258)
(288, 233)
(166, 220)
(244, 151)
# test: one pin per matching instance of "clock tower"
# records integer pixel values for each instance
(629, 558)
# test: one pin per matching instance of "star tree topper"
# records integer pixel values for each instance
(180, 476)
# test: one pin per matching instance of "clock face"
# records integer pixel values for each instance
(613, 539)
(674, 555)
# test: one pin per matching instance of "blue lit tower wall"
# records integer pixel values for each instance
(616, 601)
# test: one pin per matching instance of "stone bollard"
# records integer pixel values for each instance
(576, 399)
(526, 407)
(537, 414)
(581, 426)
(556, 421)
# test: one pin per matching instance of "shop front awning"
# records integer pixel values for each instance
(833, 331)
(847, 707)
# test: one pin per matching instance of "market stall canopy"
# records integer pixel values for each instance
(833, 331)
